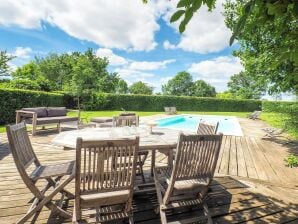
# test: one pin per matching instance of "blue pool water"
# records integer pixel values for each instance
(228, 125)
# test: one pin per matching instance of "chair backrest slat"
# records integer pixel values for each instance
(207, 128)
(121, 121)
(20, 145)
(106, 165)
(196, 157)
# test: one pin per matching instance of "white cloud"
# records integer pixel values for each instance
(150, 65)
(167, 45)
(113, 58)
(205, 33)
(216, 71)
(22, 52)
(128, 25)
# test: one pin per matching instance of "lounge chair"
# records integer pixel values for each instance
(170, 110)
(132, 120)
(207, 128)
(24, 157)
(105, 174)
(187, 183)
(254, 115)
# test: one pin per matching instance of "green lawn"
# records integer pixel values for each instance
(278, 121)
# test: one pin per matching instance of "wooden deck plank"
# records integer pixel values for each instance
(250, 167)
(224, 165)
(233, 165)
(242, 167)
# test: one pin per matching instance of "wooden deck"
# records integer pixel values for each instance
(252, 185)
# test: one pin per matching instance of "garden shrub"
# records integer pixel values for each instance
(105, 101)
(15, 99)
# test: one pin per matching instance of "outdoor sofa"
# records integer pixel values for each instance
(41, 116)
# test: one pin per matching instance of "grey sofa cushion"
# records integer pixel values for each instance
(56, 111)
(52, 120)
(41, 111)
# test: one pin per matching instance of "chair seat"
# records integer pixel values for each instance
(105, 198)
(61, 169)
(181, 186)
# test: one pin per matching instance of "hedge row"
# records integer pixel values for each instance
(102, 101)
(278, 106)
(14, 99)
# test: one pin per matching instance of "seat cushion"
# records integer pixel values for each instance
(52, 120)
(105, 198)
(40, 111)
(56, 111)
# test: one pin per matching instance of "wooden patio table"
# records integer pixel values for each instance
(161, 139)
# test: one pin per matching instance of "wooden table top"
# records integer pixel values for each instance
(161, 138)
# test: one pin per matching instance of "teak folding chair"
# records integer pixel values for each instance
(133, 120)
(105, 174)
(207, 128)
(187, 183)
(24, 158)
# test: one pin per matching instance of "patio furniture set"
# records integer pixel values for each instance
(107, 160)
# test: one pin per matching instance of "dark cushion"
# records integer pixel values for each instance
(41, 111)
(56, 111)
(52, 120)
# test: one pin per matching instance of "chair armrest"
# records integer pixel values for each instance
(19, 114)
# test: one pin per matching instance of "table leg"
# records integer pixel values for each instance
(152, 161)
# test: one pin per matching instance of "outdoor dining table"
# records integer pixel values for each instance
(161, 139)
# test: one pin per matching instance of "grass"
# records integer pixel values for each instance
(277, 120)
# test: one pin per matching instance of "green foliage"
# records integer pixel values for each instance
(132, 102)
(291, 161)
(287, 114)
(225, 95)
(268, 42)
(182, 85)
(4, 59)
(203, 89)
(186, 9)
(22, 84)
(140, 88)
(15, 99)
(122, 87)
(244, 86)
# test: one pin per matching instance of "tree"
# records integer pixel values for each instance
(180, 85)
(268, 46)
(203, 89)
(122, 87)
(140, 88)
(245, 87)
(23, 84)
(225, 95)
(4, 59)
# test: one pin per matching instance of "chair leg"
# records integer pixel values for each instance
(163, 217)
(130, 219)
(142, 173)
(206, 212)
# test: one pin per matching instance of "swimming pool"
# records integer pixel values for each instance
(228, 125)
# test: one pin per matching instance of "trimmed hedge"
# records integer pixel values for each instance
(278, 106)
(103, 101)
(15, 99)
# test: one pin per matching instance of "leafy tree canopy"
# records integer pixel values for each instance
(122, 87)
(4, 59)
(203, 89)
(182, 85)
(245, 87)
(268, 49)
(140, 88)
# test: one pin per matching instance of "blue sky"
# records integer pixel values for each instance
(138, 39)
